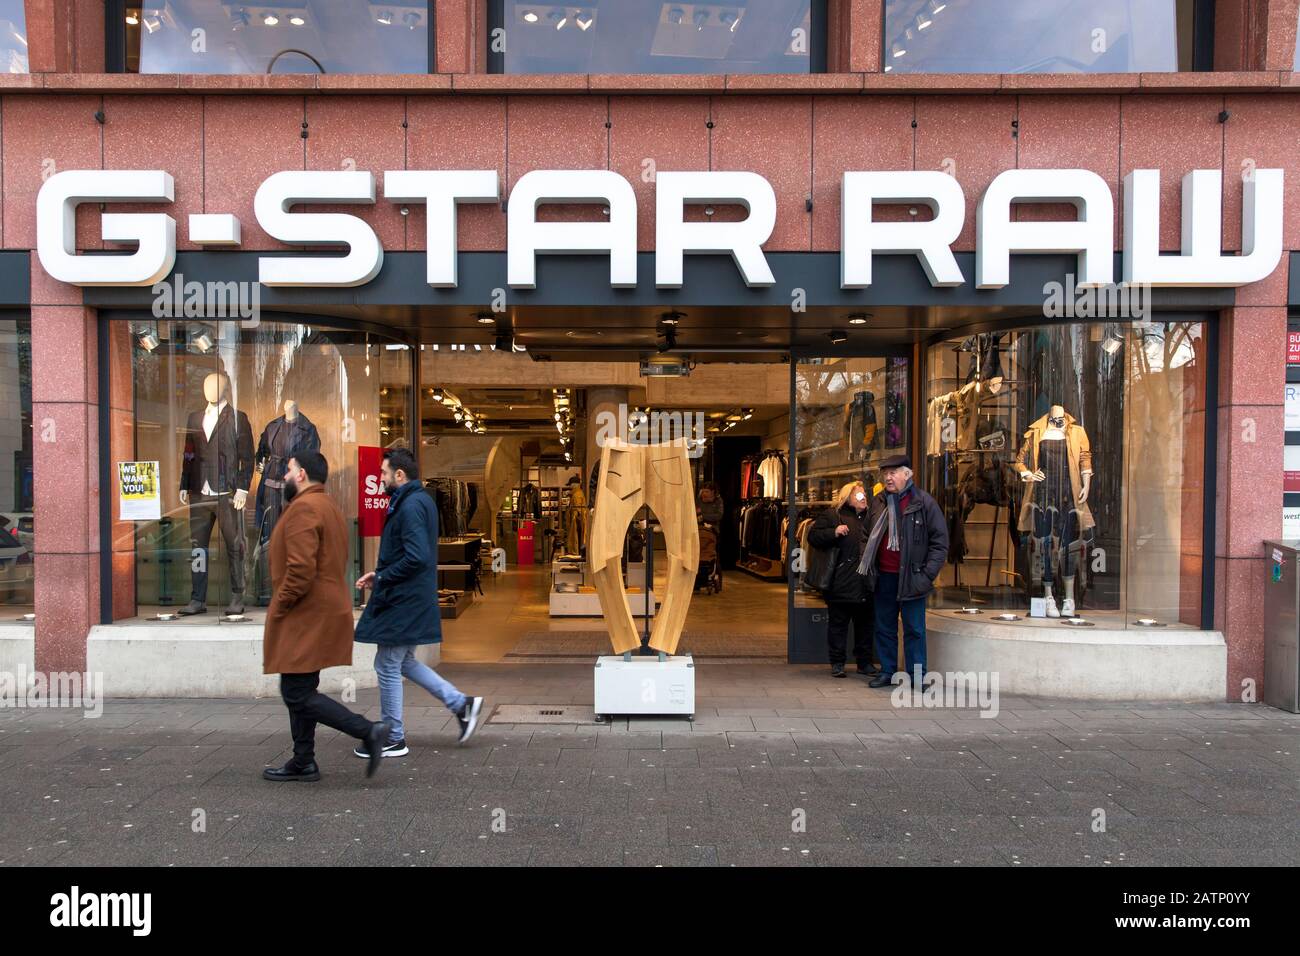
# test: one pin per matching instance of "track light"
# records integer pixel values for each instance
(385, 17)
(837, 337)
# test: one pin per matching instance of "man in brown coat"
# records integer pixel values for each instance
(309, 622)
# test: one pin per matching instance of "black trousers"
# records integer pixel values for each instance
(862, 616)
(205, 511)
(308, 707)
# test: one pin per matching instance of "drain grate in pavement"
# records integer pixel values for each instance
(542, 714)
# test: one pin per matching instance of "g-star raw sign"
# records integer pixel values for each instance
(997, 235)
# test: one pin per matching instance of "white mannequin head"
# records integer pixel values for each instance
(216, 388)
(290, 409)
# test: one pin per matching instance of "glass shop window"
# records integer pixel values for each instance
(1039, 36)
(635, 36)
(13, 37)
(282, 36)
(1070, 462)
(219, 409)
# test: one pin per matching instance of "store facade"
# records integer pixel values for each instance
(1168, 395)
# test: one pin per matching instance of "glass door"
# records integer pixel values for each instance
(848, 415)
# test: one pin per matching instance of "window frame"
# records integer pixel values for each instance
(818, 42)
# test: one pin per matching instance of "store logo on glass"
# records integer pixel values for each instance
(998, 234)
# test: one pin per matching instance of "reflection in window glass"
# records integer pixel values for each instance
(1069, 460)
(13, 37)
(636, 36)
(287, 36)
(1033, 36)
(17, 530)
(220, 408)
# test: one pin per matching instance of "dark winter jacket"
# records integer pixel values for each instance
(922, 544)
(847, 586)
(403, 607)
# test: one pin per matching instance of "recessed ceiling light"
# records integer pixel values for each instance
(270, 19)
(297, 20)
(530, 16)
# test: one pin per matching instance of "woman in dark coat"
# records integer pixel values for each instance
(844, 528)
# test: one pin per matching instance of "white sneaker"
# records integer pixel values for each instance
(1051, 608)
(468, 717)
(1067, 607)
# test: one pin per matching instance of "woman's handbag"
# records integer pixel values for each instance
(820, 575)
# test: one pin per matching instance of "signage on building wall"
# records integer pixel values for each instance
(998, 235)
(1291, 402)
(138, 495)
(1293, 348)
(372, 500)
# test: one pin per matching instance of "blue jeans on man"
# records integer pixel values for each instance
(395, 661)
(888, 610)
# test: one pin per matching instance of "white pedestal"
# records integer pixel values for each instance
(645, 685)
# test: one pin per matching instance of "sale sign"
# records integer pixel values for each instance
(372, 500)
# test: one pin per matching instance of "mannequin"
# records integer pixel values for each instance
(1055, 463)
(216, 470)
(281, 436)
(860, 426)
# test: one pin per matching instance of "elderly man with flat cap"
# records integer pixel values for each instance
(904, 553)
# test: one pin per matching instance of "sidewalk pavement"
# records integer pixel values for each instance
(782, 766)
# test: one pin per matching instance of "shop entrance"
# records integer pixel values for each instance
(508, 447)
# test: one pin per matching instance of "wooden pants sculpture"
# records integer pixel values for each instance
(632, 476)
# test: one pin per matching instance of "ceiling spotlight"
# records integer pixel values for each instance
(923, 20)
(672, 318)
(201, 343)
(133, 18)
(385, 17)
(728, 20)
(897, 51)
(559, 17)
(676, 14)
(438, 395)
(148, 340)
(297, 20)
(152, 24)
(530, 16)
(458, 415)
(746, 413)
(484, 318)
(411, 19)
(238, 19)
(837, 337)
(584, 19)
(937, 6)
(270, 19)
(859, 318)
(1112, 344)
(701, 17)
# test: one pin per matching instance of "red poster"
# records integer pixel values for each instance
(1290, 482)
(1293, 348)
(372, 502)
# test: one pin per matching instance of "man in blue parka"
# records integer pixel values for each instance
(402, 612)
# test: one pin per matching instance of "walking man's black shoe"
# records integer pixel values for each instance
(869, 671)
(468, 717)
(881, 680)
(375, 741)
(291, 771)
(837, 670)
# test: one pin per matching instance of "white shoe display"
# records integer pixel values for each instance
(1067, 607)
(1051, 608)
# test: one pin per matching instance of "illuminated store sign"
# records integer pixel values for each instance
(1089, 236)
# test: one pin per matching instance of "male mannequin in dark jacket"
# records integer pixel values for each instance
(903, 555)
(844, 529)
(402, 612)
(216, 470)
